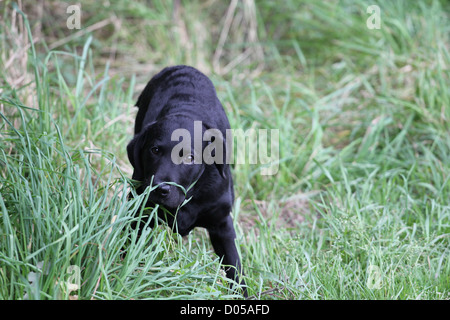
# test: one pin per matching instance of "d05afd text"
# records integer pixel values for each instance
(244, 309)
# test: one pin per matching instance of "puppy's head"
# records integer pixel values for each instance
(170, 151)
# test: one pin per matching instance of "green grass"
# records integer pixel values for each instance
(359, 208)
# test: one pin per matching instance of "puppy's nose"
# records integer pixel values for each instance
(163, 190)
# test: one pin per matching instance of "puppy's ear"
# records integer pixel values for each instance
(132, 152)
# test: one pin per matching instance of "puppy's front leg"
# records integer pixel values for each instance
(222, 238)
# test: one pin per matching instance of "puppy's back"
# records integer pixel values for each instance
(180, 90)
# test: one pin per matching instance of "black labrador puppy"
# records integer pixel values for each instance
(178, 110)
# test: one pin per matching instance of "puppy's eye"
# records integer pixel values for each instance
(189, 159)
(154, 150)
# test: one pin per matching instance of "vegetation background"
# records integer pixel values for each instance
(359, 208)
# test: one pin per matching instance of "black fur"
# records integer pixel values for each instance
(173, 99)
